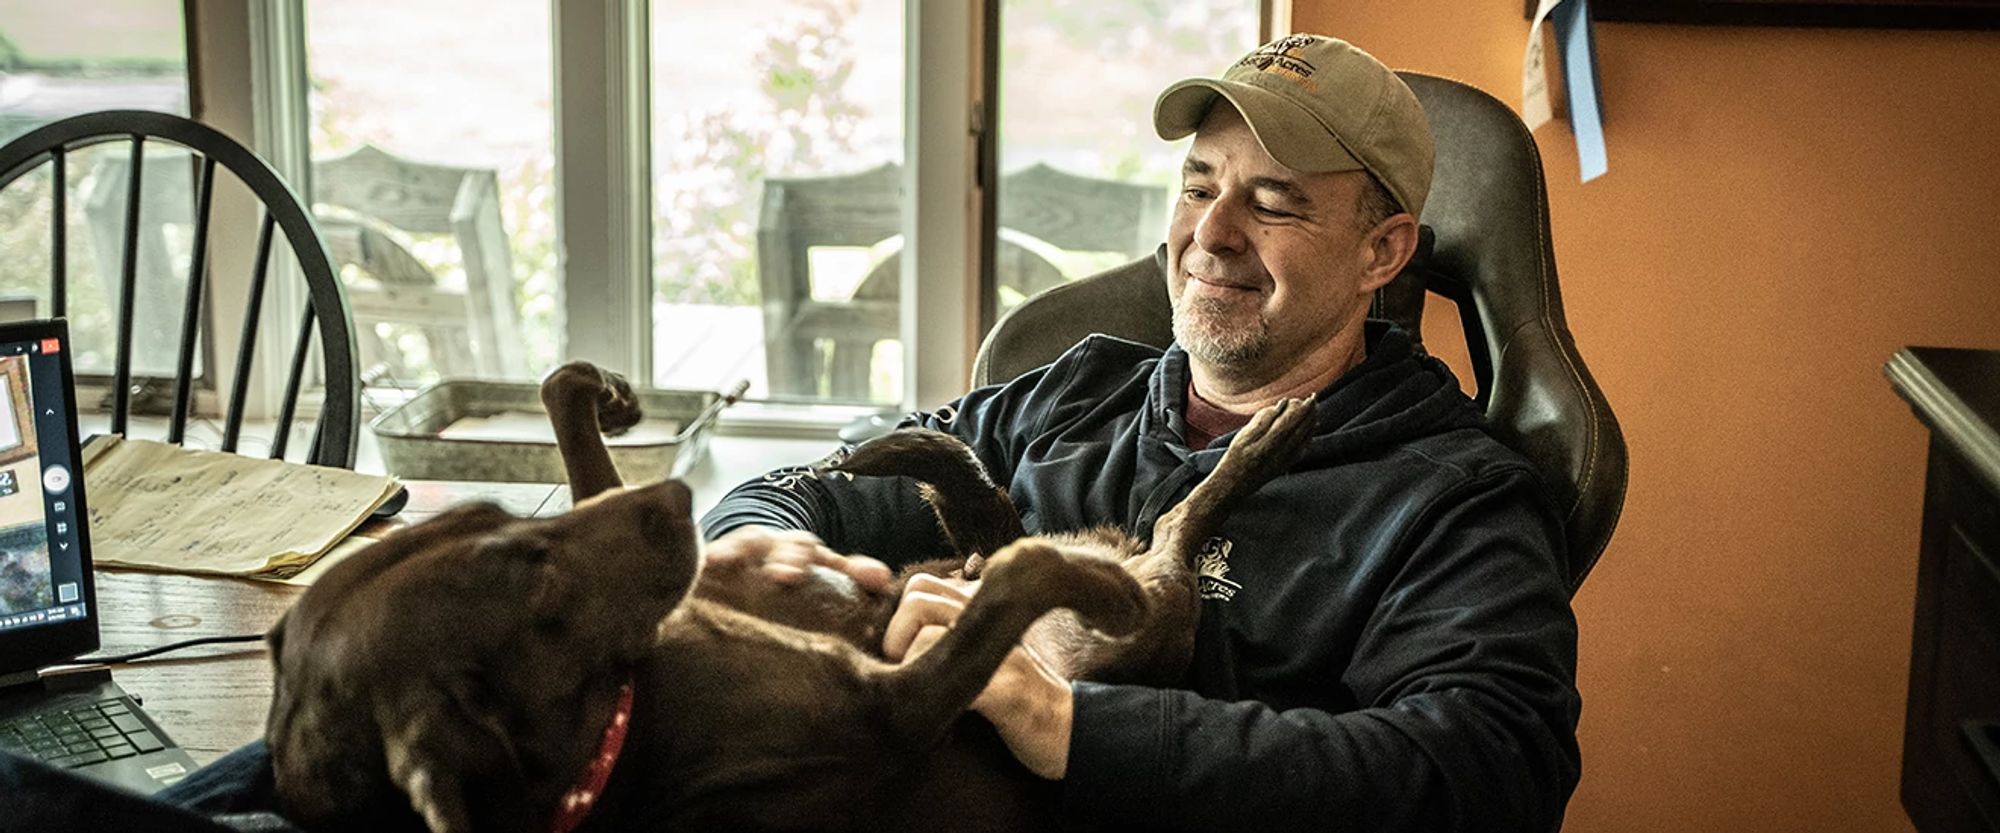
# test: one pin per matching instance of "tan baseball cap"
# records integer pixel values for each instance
(1318, 105)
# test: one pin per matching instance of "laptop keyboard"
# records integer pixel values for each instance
(102, 731)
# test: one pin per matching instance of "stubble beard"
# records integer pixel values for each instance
(1220, 333)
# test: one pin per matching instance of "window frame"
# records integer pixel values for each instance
(602, 135)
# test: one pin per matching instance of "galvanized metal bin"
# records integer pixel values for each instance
(413, 445)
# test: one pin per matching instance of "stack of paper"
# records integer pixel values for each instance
(163, 507)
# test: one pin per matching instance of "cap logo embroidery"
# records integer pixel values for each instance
(1280, 57)
(1212, 570)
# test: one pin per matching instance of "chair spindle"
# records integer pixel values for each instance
(239, 386)
(191, 316)
(59, 234)
(128, 283)
(289, 405)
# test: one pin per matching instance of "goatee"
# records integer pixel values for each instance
(1207, 330)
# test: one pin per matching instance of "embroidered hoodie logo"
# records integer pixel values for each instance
(1212, 569)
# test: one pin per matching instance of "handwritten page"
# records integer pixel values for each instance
(164, 507)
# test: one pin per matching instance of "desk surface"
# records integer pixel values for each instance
(213, 699)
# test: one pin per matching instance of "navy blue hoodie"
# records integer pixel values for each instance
(1386, 642)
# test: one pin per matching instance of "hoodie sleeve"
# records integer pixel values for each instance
(884, 516)
(1466, 674)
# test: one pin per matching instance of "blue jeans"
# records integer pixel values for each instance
(235, 793)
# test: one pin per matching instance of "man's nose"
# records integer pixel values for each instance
(1220, 229)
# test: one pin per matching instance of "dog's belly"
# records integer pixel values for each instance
(764, 728)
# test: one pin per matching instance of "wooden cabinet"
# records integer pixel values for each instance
(1951, 735)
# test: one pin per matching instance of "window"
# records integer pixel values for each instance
(59, 60)
(434, 178)
(735, 180)
(1085, 184)
(777, 141)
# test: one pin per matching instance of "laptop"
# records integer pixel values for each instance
(79, 719)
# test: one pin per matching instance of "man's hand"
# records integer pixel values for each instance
(1027, 702)
(784, 555)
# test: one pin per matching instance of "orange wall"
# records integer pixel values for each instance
(1785, 209)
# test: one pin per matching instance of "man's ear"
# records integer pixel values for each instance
(1391, 244)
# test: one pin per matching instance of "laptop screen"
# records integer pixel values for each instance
(45, 585)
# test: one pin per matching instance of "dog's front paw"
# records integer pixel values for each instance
(617, 407)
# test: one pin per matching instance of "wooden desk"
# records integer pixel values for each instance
(212, 699)
(1951, 735)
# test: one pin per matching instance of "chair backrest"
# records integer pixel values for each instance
(326, 313)
(424, 198)
(1487, 247)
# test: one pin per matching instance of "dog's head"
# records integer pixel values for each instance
(464, 667)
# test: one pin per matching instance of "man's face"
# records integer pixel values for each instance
(1264, 264)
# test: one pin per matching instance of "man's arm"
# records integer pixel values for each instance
(1467, 670)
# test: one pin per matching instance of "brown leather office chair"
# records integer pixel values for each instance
(1486, 247)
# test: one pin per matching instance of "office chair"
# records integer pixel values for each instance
(1485, 246)
(326, 314)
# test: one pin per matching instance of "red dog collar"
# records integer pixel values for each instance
(583, 795)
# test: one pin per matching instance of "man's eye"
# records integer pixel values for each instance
(1195, 193)
(1268, 211)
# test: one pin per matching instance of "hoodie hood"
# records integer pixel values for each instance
(1395, 395)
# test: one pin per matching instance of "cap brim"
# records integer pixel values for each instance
(1289, 132)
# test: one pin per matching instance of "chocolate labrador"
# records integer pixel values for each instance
(480, 671)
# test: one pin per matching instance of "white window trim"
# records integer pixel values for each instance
(604, 195)
(245, 59)
(944, 133)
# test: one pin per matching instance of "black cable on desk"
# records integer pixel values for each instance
(161, 649)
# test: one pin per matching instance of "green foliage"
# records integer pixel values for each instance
(707, 186)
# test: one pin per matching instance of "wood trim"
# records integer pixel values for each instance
(1875, 14)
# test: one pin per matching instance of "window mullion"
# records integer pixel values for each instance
(603, 182)
(942, 222)
(248, 75)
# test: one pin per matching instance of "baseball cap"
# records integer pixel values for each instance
(1317, 104)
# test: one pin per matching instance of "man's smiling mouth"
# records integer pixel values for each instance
(1225, 284)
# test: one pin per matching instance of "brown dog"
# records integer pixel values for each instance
(476, 667)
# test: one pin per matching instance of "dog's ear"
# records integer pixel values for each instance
(454, 761)
(525, 569)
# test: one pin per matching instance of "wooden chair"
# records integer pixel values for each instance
(471, 332)
(370, 191)
(325, 316)
(816, 347)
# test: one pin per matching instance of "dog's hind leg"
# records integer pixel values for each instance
(1160, 652)
(584, 403)
(1023, 581)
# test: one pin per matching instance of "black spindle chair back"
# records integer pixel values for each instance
(326, 314)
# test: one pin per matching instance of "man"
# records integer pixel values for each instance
(1386, 642)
